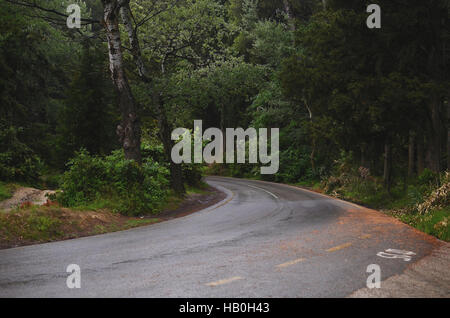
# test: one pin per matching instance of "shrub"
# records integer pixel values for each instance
(192, 174)
(427, 177)
(414, 195)
(6, 190)
(130, 188)
(17, 161)
(439, 198)
(435, 222)
(84, 181)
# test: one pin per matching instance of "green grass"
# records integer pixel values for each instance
(34, 225)
(46, 224)
(171, 202)
(51, 180)
(98, 204)
(202, 188)
(435, 222)
(377, 197)
(6, 190)
(305, 183)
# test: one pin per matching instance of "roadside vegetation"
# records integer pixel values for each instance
(115, 183)
(6, 190)
(422, 202)
(363, 113)
(46, 224)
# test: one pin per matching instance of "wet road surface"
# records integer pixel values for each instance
(263, 240)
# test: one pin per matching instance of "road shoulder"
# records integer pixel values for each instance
(35, 224)
(426, 278)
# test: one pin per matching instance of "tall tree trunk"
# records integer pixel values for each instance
(96, 14)
(365, 162)
(411, 154)
(448, 136)
(312, 156)
(420, 154)
(129, 130)
(288, 11)
(387, 175)
(125, 12)
(436, 136)
(176, 172)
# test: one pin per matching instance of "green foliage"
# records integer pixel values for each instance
(414, 195)
(6, 190)
(423, 205)
(435, 222)
(34, 61)
(192, 174)
(438, 198)
(427, 177)
(338, 91)
(84, 180)
(89, 116)
(295, 165)
(132, 189)
(272, 42)
(50, 180)
(44, 224)
(36, 225)
(17, 161)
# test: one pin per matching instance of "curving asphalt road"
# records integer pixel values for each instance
(263, 240)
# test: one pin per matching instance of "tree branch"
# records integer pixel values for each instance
(36, 6)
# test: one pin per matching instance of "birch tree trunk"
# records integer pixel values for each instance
(129, 131)
(287, 10)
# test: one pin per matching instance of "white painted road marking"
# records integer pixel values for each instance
(409, 253)
(264, 191)
(393, 253)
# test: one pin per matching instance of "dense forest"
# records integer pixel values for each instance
(362, 113)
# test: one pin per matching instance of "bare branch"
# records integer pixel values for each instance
(150, 16)
(36, 6)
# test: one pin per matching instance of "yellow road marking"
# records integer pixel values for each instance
(226, 202)
(339, 247)
(224, 281)
(290, 263)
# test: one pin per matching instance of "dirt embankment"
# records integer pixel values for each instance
(48, 223)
